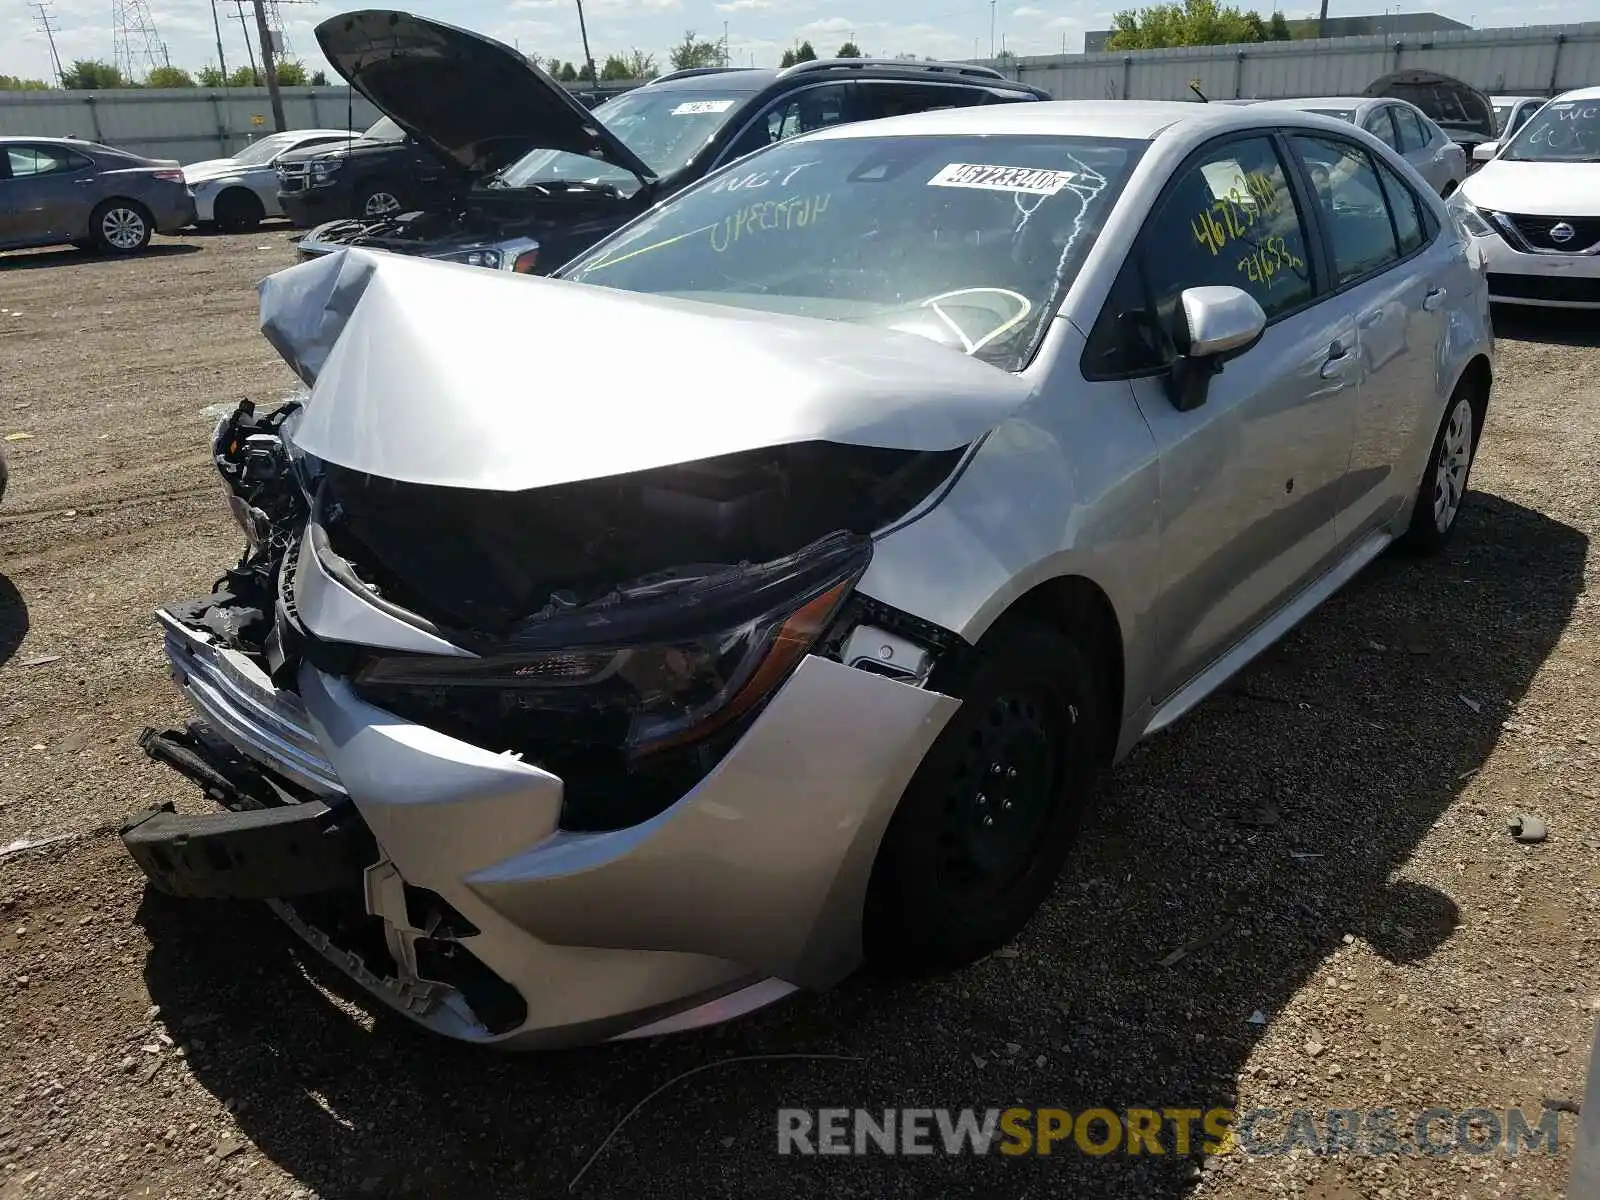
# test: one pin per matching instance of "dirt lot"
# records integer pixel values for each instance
(1336, 820)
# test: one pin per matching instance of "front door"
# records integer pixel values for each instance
(1250, 479)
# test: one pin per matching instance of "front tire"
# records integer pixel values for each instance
(238, 211)
(985, 824)
(121, 227)
(1443, 490)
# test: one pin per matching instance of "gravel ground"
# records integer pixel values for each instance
(1330, 830)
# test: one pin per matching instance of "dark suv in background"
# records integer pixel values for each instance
(535, 177)
(382, 171)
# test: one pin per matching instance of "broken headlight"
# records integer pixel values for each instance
(660, 668)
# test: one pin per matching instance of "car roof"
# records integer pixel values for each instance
(1583, 93)
(1514, 99)
(755, 79)
(66, 143)
(1332, 101)
(1138, 120)
(734, 79)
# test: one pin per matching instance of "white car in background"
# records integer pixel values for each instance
(1511, 113)
(1534, 211)
(237, 192)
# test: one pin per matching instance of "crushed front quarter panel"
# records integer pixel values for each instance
(433, 373)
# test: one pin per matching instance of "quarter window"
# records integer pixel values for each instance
(1353, 207)
(1402, 200)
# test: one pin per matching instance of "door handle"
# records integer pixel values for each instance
(1434, 298)
(1338, 356)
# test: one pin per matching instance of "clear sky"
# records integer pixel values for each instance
(757, 30)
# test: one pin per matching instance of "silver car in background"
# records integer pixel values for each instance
(237, 193)
(56, 191)
(1399, 125)
(976, 446)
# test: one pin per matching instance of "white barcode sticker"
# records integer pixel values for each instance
(699, 108)
(1034, 181)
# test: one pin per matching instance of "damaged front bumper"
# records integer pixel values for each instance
(476, 914)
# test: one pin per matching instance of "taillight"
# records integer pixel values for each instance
(526, 261)
(170, 176)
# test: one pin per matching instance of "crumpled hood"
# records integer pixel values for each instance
(453, 376)
(1556, 189)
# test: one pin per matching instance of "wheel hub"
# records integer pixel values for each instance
(123, 228)
(1455, 457)
(1000, 795)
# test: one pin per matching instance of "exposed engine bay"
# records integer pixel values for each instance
(619, 632)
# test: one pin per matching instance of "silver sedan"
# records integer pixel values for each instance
(1398, 124)
(961, 452)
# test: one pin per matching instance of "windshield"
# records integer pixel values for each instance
(1502, 114)
(384, 130)
(268, 148)
(1561, 131)
(962, 240)
(664, 128)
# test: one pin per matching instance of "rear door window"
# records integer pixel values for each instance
(800, 111)
(1412, 135)
(1380, 125)
(1353, 206)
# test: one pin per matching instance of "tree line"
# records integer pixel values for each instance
(693, 52)
(1194, 23)
(94, 75)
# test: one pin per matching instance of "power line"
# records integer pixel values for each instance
(42, 20)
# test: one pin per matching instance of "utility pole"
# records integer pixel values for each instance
(268, 69)
(244, 29)
(42, 18)
(583, 29)
(724, 43)
(1322, 20)
(991, 28)
(222, 61)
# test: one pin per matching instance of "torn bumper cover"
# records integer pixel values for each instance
(750, 884)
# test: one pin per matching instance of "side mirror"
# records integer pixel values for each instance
(1484, 151)
(1219, 323)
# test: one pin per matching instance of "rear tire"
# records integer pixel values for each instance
(1443, 491)
(984, 826)
(238, 210)
(121, 227)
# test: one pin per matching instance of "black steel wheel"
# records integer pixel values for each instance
(981, 832)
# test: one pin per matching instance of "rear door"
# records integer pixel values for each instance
(1250, 478)
(1378, 237)
(50, 193)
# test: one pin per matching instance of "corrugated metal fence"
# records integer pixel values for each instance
(1533, 60)
(187, 124)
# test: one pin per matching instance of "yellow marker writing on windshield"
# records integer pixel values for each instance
(767, 216)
